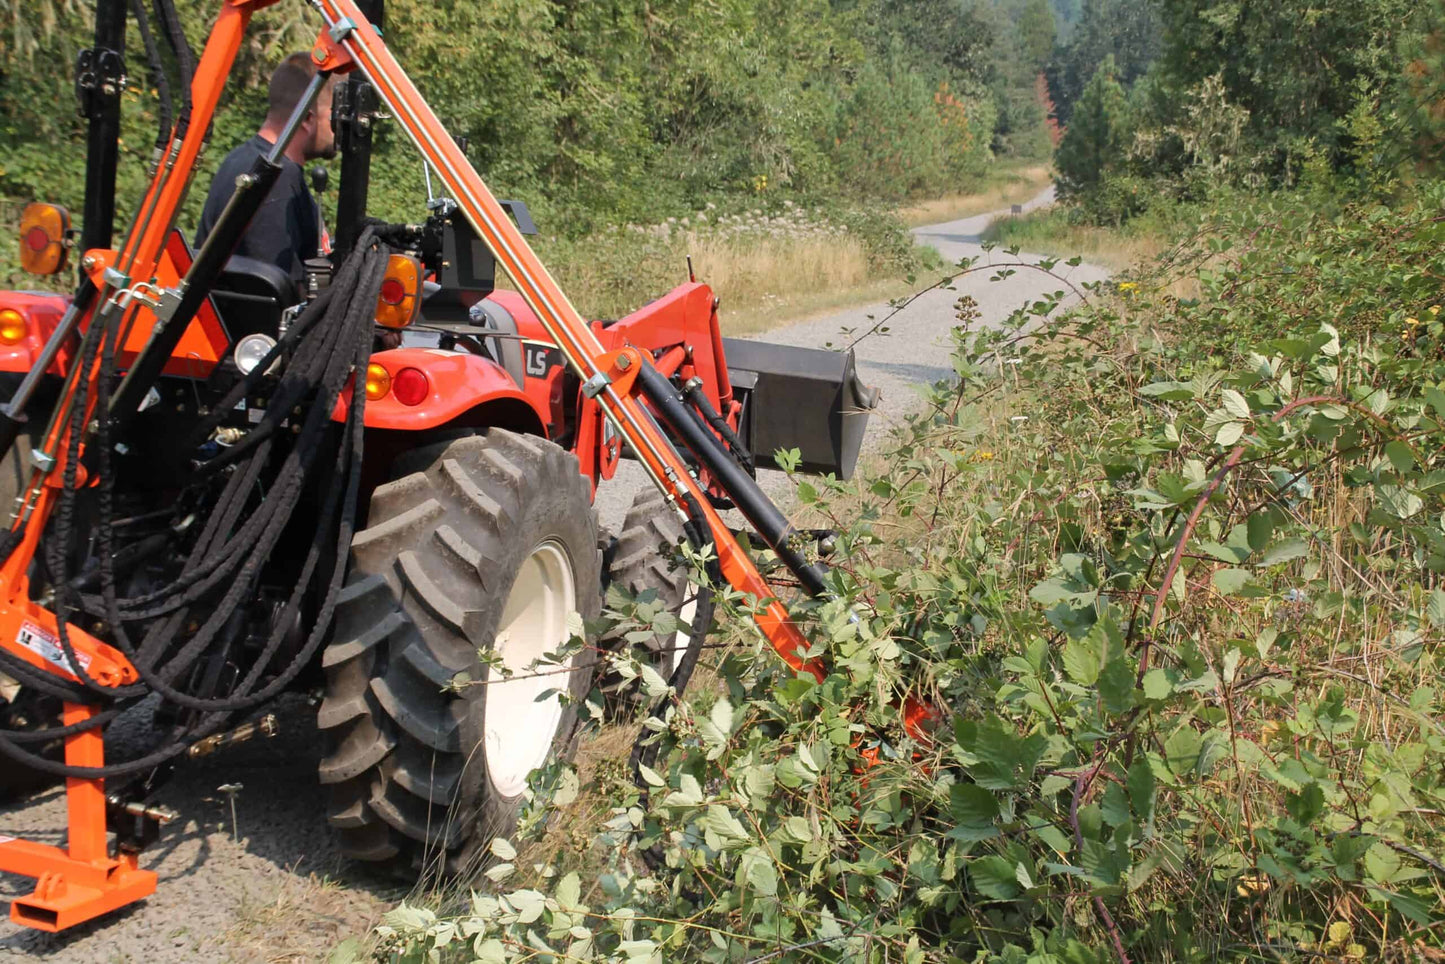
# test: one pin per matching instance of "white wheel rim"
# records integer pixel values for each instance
(518, 727)
(681, 638)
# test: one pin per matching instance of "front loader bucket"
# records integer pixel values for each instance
(807, 399)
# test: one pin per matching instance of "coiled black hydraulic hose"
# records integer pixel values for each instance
(175, 34)
(329, 344)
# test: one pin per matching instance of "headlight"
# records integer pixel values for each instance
(250, 350)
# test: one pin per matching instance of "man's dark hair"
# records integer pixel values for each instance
(288, 83)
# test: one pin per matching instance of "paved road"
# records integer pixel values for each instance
(915, 349)
(248, 890)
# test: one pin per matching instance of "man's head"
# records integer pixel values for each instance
(314, 138)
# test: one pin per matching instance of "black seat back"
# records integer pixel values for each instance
(251, 295)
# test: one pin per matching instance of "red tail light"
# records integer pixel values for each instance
(410, 386)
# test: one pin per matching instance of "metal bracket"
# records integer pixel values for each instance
(99, 77)
(43, 461)
(168, 302)
(595, 385)
(342, 29)
(117, 279)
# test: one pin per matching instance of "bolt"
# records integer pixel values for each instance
(230, 790)
(623, 363)
(89, 262)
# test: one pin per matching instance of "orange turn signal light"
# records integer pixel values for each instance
(378, 382)
(12, 327)
(44, 238)
(400, 299)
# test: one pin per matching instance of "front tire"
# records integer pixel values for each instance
(482, 546)
(647, 557)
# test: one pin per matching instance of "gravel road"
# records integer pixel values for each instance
(251, 873)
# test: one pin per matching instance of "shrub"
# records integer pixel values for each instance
(1170, 572)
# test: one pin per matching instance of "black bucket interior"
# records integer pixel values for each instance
(807, 399)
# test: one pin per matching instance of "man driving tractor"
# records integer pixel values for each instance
(287, 229)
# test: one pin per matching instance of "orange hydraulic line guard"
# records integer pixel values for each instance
(349, 28)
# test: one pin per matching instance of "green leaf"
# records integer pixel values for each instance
(1169, 391)
(1116, 686)
(1414, 908)
(1283, 551)
(1260, 527)
(1157, 685)
(1235, 403)
(1435, 610)
(1181, 751)
(1229, 581)
(1141, 790)
(1306, 805)
(1229, 433)
(722, 715)
(757, 869)
(1081, 661)
(994, 877)
(972, 805)
(1400, 456)
(1114, 805)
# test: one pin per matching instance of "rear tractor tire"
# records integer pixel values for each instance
(484, 544)
(647, 558)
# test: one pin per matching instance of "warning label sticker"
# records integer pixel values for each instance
(46, 645)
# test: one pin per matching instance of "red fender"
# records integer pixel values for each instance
(457, 383)
(42, 313)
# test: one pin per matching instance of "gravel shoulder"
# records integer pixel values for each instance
(252, 875)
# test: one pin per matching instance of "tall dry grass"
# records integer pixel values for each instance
(999, 190)
(768, 267)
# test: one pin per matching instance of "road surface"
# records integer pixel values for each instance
(250, 873)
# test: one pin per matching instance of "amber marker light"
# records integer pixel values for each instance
(378, 381)
(44, 238)
(399, 301)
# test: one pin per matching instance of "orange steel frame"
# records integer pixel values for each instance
(82, 880)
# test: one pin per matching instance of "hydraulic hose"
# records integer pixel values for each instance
(326, 347)
(166, 109)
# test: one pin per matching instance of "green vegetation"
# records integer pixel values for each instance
(1173, 575)
(597, 113)
(1342, 98)
(1169, 561)
(608, 115)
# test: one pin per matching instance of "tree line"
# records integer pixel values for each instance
(1172, 100)
(610, 111)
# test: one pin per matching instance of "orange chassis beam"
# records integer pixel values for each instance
(83, 881)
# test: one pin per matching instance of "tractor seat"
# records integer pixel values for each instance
(251, 295)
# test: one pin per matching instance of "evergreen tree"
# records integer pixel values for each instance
(1095, 138)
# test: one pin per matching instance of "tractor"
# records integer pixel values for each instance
(377, 486)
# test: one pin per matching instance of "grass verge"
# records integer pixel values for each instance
(1054, 231)
(1000, 188)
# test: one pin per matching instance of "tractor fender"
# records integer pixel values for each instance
(42, 313)
(459, 383)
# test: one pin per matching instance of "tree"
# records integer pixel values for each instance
(1095, 138)
(1300, 67)
(1037, 33)
(1127, 30)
